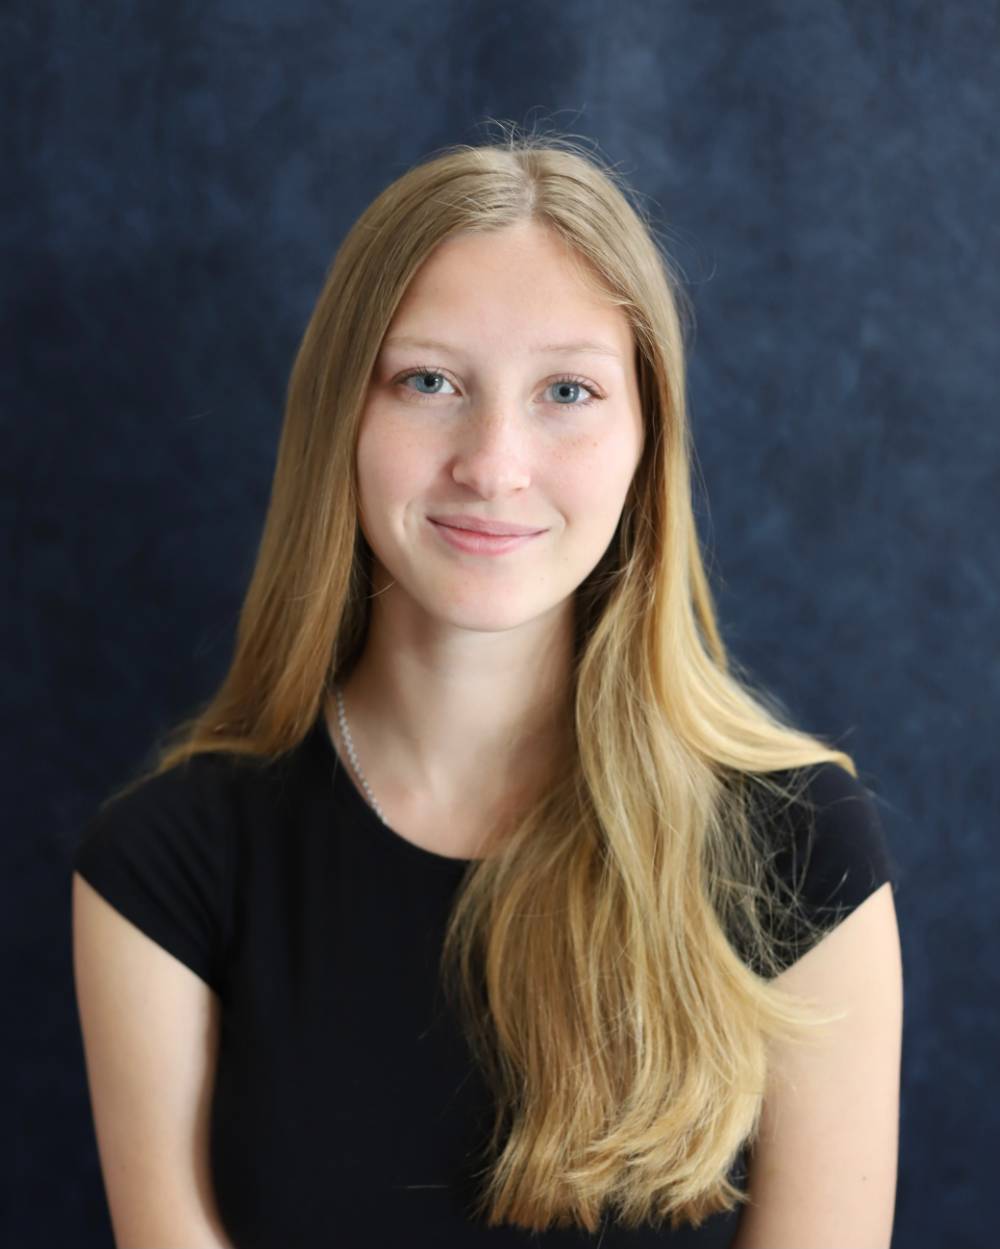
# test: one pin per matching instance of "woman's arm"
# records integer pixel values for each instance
(150, 1032)
(822, 1174)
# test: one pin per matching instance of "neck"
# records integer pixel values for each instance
(462, 717)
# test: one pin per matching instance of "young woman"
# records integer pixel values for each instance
(485, 901)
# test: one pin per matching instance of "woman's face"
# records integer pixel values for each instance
(521, 406)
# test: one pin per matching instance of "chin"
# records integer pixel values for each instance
(485, 610)
(488, 620)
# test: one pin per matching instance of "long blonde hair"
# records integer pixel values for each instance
(614, 956)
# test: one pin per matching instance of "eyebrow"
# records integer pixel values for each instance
(579, 348)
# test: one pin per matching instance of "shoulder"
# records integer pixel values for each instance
(825, 850)
(207, 788)
(161, 852)
(831, 842)
(197, 791)
(167, 851)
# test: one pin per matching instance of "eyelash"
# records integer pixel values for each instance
(427, 371)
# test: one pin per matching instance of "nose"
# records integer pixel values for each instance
(491, 456)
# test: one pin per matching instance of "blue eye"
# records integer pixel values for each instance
(425, 375)
(564, 383)
(435, 377)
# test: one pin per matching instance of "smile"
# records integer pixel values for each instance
(482, 543)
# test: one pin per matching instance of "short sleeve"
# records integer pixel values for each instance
(161, 856)
(832, 850)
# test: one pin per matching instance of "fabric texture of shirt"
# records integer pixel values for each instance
(346, 1105)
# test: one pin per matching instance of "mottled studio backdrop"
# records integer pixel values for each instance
(176, 178)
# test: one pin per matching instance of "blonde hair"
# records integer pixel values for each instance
(614, 956)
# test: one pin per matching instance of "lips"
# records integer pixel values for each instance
(474, 542)
(494, 528)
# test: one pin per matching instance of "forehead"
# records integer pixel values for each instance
(521, 286)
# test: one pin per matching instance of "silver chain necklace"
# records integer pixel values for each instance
(352, 754)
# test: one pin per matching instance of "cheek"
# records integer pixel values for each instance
(593, 478)
(391, 465)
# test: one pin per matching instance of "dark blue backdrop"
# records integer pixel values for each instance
(176, 179)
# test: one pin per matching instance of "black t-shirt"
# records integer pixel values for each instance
(347, 1106)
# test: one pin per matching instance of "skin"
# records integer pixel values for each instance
(450, 705)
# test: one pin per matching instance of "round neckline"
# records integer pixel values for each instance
(345, 787)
